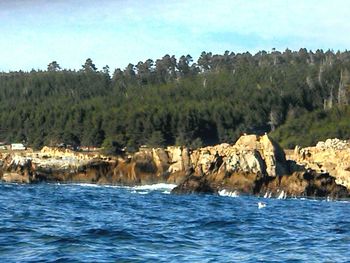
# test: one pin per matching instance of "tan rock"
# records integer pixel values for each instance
(332, 156)
(271, 153)
(54, 152)
(248, 142)
(248, 161)
(179, 158)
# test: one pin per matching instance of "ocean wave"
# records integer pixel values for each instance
(153, 187)
(83, 184)
(224, 192)
(145, 189)
(150, 187)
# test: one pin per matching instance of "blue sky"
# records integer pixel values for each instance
(115, 33)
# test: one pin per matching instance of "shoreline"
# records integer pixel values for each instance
(254, 165)
(142, 190)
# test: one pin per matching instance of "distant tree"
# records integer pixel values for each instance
(184, 65)
(144, 71)
(53, 66)
(156, 139)
(105, 70)
(89, 66)
(242, 93)
(118, 80)
(204, 61)
(70, 137)
(165, 69)
(112, 147)
(129, 71)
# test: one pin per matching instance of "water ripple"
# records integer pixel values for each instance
(88, 223)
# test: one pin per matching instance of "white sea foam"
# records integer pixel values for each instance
(85, 185)
(153, 187)
(142, 192)
(224, 192)
(267, 195)
(282, 195)
(146, 189)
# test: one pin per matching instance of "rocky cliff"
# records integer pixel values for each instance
(331, 156)
(253, 165)
(63, 165)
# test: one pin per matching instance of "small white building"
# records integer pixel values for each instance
(18, 147)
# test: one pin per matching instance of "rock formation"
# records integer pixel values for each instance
(331, 156)
(63, 165)
(253, 165)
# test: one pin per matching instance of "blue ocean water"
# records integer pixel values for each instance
(87, 223)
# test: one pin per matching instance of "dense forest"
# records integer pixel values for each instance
(179, 101)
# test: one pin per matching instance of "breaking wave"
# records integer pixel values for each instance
(228, 193)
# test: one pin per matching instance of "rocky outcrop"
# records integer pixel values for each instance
(63, 165)
(253, 165)
(251, 154)
(32, 168)
(331, 156)
(59, 153)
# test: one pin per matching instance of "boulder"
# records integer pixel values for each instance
(271, 153)
(194, 184)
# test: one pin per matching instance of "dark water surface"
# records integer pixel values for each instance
(85, 223)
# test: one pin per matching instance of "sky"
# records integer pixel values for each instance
(34, 33)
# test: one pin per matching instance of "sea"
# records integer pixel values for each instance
(91, 223)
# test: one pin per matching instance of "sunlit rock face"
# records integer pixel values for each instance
(253, 165)
(331, 156)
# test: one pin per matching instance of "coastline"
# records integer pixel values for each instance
(254, 165)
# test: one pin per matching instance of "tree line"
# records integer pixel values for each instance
(171, 100)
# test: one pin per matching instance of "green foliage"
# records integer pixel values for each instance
(112, 147)
(156, 140)
(172, 101)
(316, 126)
